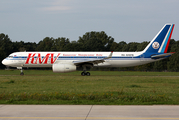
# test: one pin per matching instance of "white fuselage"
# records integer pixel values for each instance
(47, 59)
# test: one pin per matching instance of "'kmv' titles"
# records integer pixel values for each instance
(39, 60)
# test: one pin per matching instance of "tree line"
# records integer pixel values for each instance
(91, 41)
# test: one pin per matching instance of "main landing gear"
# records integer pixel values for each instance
(84, 71)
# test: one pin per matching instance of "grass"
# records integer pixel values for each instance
(102, 87)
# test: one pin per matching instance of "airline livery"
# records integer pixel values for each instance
(69, 61)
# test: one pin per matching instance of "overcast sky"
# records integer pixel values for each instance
(124, 20)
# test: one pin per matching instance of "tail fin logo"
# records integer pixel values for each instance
(155, 45)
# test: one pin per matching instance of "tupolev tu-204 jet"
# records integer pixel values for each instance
(68, 61)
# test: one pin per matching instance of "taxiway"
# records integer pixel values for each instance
(89, 112)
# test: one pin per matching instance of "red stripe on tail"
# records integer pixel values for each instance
(169, 40)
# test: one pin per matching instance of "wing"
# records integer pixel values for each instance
(161, 55)
(93, 61)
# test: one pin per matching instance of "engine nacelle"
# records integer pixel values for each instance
(62, 68)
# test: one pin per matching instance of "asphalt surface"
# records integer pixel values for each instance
(89, 112)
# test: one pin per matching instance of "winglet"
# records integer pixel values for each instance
(110, 55)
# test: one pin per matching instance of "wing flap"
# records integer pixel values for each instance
(93, 61)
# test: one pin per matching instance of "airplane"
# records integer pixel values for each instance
(62, 62)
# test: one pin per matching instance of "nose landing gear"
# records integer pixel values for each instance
(20, 68)
(21, 72)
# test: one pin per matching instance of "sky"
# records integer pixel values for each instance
(124, 20)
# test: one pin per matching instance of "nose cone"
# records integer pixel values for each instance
(4, 62)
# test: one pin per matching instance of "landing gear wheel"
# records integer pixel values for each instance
(83, 73)
(88, 74)
(21, 73)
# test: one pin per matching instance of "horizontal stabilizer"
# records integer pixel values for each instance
(161, 55)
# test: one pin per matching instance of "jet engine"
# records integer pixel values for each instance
(62, 68)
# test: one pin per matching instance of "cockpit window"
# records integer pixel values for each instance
(10, 56)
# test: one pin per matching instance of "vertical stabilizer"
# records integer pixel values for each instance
(161, 41)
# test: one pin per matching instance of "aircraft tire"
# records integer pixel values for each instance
(83, 74)
(88, 74)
